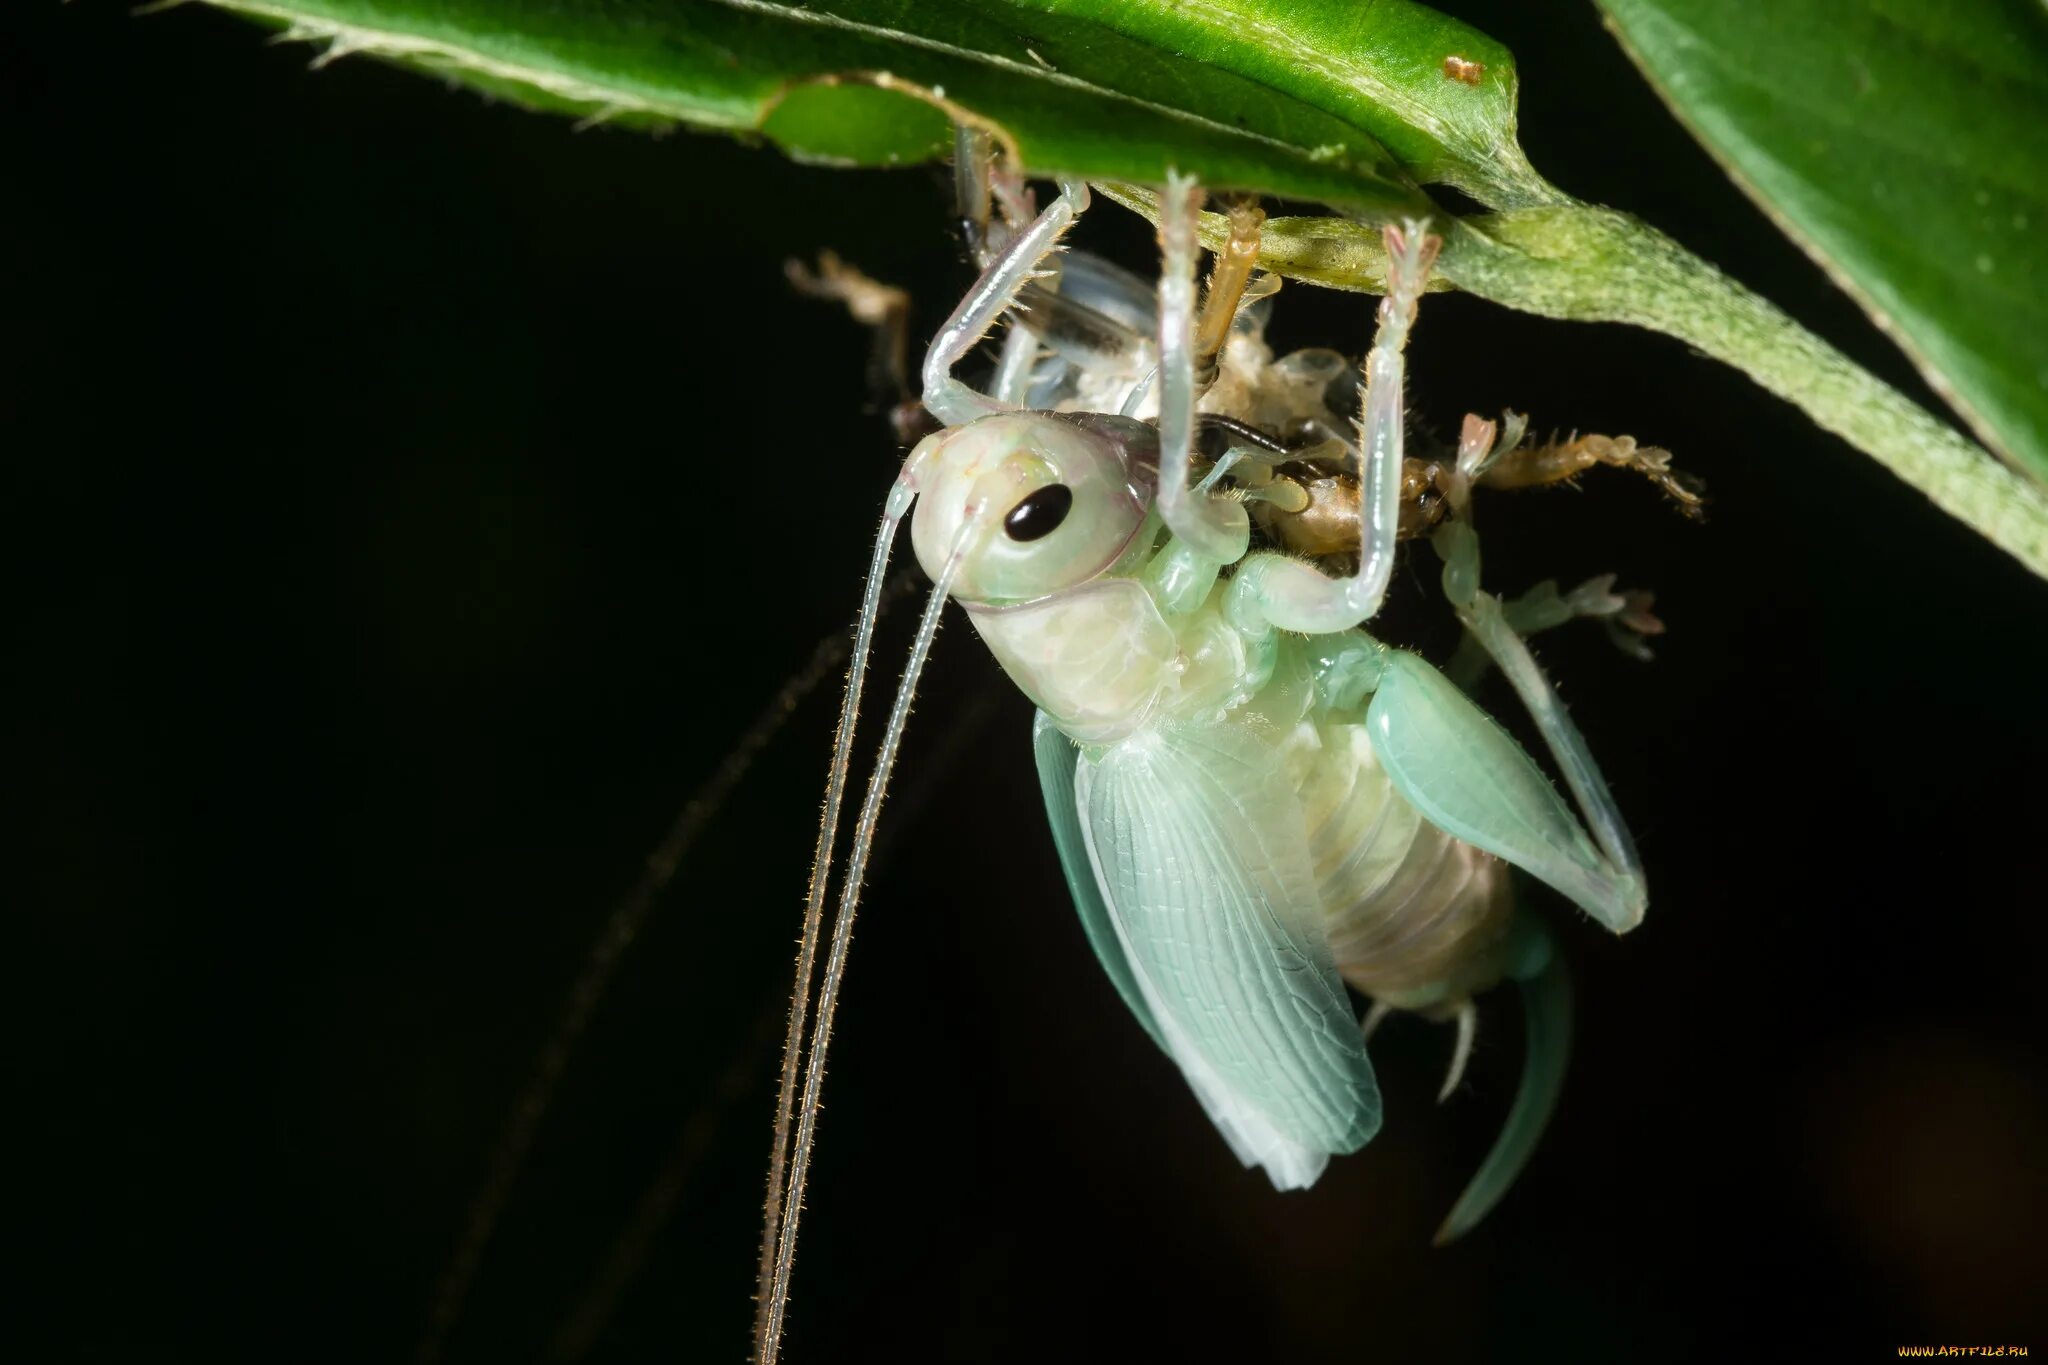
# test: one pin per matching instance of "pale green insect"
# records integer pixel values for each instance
(1255, 802)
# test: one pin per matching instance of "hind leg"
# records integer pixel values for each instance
(1485, 620)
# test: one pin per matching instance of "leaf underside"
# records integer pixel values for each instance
(1358, 104)
(1904, 145)
(1329, 101)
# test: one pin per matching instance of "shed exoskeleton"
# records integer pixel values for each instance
(1256, 803)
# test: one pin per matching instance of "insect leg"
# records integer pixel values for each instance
(972, 161)
(1483, 619)
(1041, 314)
(1486, 621)
(982, 181)
(882, 307)
(1215, 529)
(1232, 271)
(1011, 383)
(1626, 615)
(1556, 461)
(1073, 323)
(950, 400)
(1287, 594)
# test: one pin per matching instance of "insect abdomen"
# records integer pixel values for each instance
(1416, 918)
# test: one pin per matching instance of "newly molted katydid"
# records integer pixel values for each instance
(1258, 806)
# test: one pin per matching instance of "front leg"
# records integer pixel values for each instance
(1275, 592)
(1214, 527)
(949, 399)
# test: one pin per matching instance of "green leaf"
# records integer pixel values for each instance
(1327, 101)
(1904, 144)
(1587, 264)
(1348, 103)
(1385, 66)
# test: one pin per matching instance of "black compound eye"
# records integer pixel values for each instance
(1040, 514)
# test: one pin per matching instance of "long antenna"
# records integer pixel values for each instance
(814, 919)
(769, 1342)
(620, 930)
(627, 1257)
(583, 1325)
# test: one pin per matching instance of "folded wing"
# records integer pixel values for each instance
(1202, 873)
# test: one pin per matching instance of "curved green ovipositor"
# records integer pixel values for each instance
(1469, 777)
(1547, 1045)
(1197, 845)
(1057, 758)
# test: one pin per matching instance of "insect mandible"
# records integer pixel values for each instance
(1256, 804)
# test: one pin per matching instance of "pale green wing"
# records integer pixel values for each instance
(1199, 850)
(1471, 779)
(1056, 759)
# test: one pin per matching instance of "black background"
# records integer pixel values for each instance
(419, 495)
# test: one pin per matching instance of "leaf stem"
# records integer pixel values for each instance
(1588, 264)
(1597, 265)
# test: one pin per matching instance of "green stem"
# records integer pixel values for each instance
(1595, 265)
